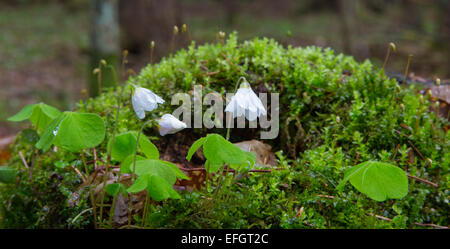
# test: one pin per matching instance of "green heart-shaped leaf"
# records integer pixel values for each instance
(194, 147)
(156, 167)
(73, 131)
(127, 164)
(40, 115)
(219, 151)
(114, 189)
(379, 181)
(124, 146)
(178, 172)
(148, 148)
(158, 188)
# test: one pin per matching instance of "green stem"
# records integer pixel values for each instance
(144, 215)
(99, 78)
(90, 189)
(105, 178)
(220, 181)
(113, 207)
(230, 119)
(387, 57)
(136, 148)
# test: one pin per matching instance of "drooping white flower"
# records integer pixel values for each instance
(168, 124)
(245, 102)
(144, 100)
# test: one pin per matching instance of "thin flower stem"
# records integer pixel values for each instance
(114, 72)
(124, 62)
(152, 48)
(90, 189)
(113, 206)
(99, 78)
(407, 69)
(388, 53)
(144, 215)
(230, 119)
(105, 178)
(136, 149)
(220, 180)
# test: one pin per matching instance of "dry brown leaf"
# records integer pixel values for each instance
(264, 154)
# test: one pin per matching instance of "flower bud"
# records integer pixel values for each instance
(221, 35)
(175, 30)
(183, 28)
(393, 47)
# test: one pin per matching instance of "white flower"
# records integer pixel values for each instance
(168, 124)
(245, 102)
(145, 100)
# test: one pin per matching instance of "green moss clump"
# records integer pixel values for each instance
(334, 112)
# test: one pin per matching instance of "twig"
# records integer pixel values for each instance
(30, 168)
(323, 214)
(357, 158)
(326, 196)
(423, 180)
(95, 159)
(79, 173)
(23, 160)
(229, 61)
(416, 150)
(231, 170)
(412, 145)
(131, 226)
(210, 73)
(396, 150)
(430, 225)
(76, 217)
(415, 223)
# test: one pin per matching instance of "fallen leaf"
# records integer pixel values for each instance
(264, 154)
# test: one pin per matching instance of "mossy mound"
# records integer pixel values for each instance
(334, 113)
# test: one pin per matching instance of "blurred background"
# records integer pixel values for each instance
(48, 48)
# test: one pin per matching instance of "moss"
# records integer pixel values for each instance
(334, 113)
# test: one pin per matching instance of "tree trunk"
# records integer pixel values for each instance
(347, 20)
(105, 43)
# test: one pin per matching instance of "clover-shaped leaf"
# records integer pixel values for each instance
(40, 115)
(379, 181)
(219, 151)
(124, 145)
(73, 131)
(158, 188)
